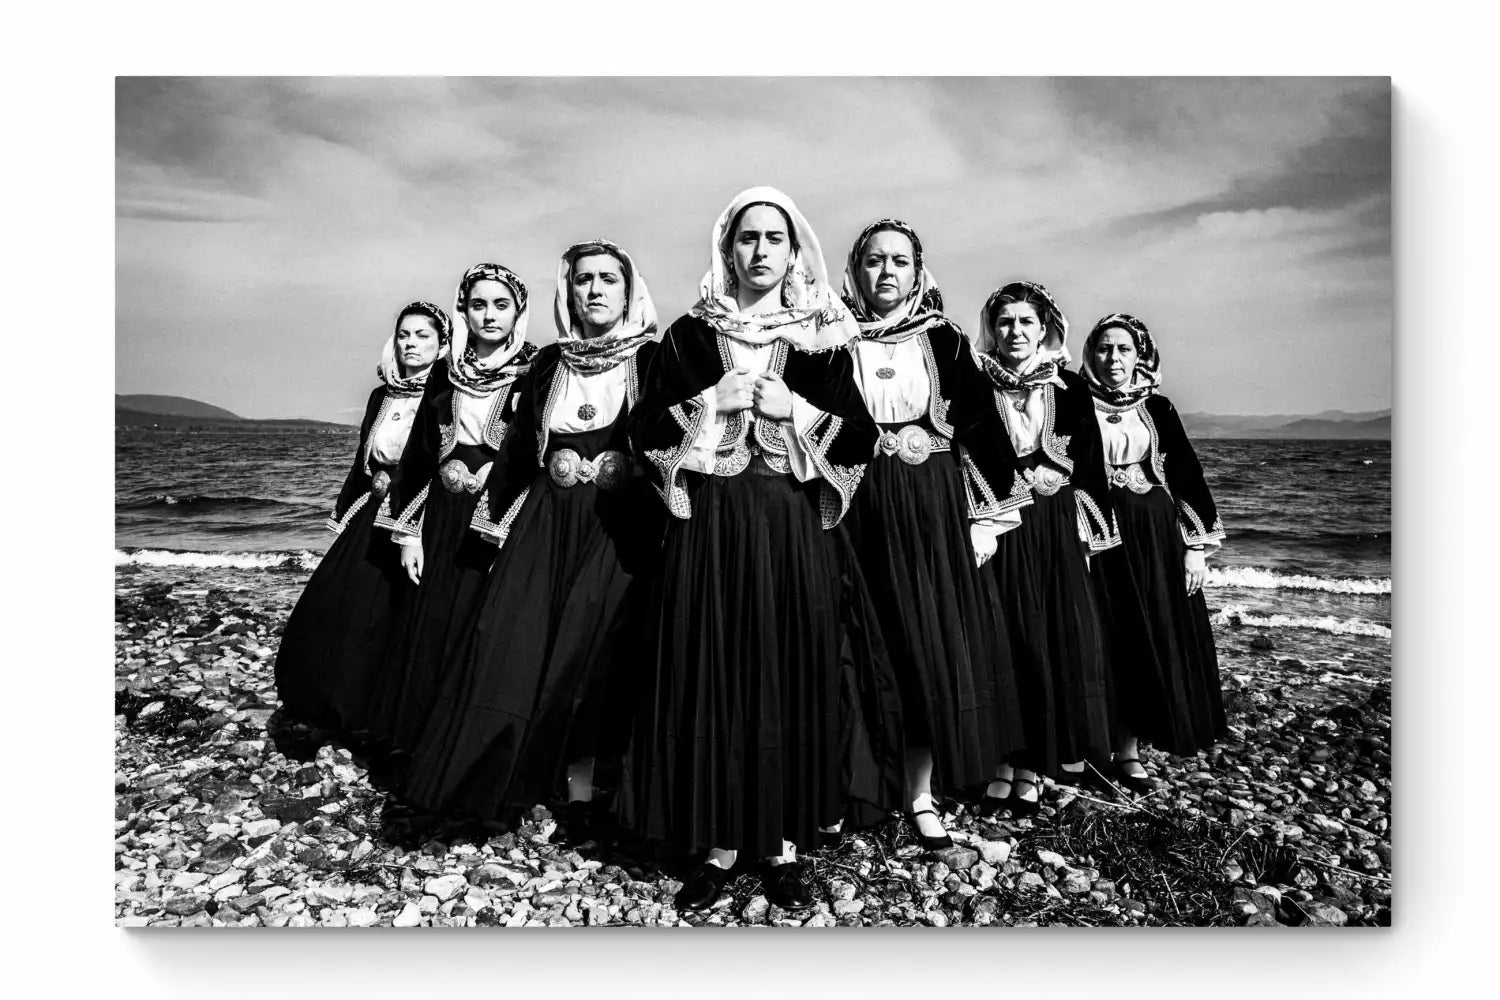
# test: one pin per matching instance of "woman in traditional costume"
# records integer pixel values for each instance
(1041, 569)
(460, 427)
(754, 427)
(941, 619)
(539, 687)
(1164, 666)
(338, 635)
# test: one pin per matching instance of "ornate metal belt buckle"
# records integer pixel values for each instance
(454, 475)
(889, 443)
(610, 470)
(914, 445)
(380, 483)
(1118, 476)
(1045, 479)
(563, 467)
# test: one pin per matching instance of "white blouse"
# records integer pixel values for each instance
(1025, 423)
(1126, 442)
(473, 416)
(388, 437)
(705, 445)
(903, 397)
(604, 392)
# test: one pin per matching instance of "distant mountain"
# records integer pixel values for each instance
(178, 413)
(1330, 424)
(173, 406)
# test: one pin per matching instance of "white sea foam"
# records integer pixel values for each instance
(302, 559)
(1255, 578)
(1239, 613)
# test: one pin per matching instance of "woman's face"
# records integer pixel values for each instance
(1115, 357)
(417, 343)
(887, 270)
(597, 289)
(1018, 333)
(761, 248)
(490, 311)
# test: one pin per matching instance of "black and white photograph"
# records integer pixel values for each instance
(794, 502)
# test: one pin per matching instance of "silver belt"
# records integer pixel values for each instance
(607, 470)
(1131, 477)
(456, 477)
(911, 444)
(1045, 479)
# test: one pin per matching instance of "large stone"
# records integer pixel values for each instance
(756, 910)
(1051, 858)
(1324, 915)
(184, 903)
(848, 907)
(994, 852)
(956, 857)
(493, 875)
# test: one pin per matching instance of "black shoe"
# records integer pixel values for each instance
(994, 805)
(1022, 808)
(788, 885)
(578, 821)
(701, 889)
(1072, 779)
(928, 843)
(829, 839)
(1137, 784)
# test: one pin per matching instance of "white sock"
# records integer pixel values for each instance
(722, 859)
(835, 828)
(581, 780)
(787, 856)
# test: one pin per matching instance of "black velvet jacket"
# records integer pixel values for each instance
(1174, 465)
(961, 408)
(525, 451)
(356, 491)
(1071, 442)
(692, 358)
(434, 434)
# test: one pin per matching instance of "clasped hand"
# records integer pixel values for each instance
(765, 393)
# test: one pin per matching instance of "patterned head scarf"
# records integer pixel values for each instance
(1051, 354)
(591, 355)
(467, 372)
(923, 306)
(1146, 378)
(812, 317)
(389, 369)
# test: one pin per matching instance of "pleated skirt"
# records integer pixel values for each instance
(546, 673)
(435, 624)
(940, 617)
(738, 732)
(1164, 666)
(335, 644)
(1058, 651)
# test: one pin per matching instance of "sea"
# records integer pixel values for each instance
(1307, 559)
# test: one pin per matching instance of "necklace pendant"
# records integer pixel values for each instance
(1113, 418)
(587, 411)
(886, 373)
(1020, 405)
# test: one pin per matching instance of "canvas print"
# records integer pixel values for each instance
(799, 502)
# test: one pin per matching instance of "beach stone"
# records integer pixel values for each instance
(957, 857)
(183, 904)
(363, 917)
(985, 910)
(994, 852)
(848, 907)
(756, 911)
(1051, 859)
(492, 875)
(935, 918)
(1073, 881)
(1030, 881)
(260, 828)
(1262, 642)
(1324, 915)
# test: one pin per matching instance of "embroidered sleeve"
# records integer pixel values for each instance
(1095, 529)
(407, 526)
(338, 524)
(668, 462)
(496, 532)
(1193, 531)
(839, 481)
(985, 501)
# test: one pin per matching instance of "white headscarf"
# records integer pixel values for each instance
(390, 368)
(1051, 354)
(812, 318)
(590, 355)
(479, 378)
(923, 307)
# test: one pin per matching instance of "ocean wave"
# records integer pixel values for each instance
(302, 560)
(1239, 614)
(1255, 578)
(203, 502)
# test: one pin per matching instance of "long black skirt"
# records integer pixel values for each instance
(437, 619)
(1043, 580)
(543, 678)
(940, 618)
(1163, 662)
(335, 643)
(738, 736)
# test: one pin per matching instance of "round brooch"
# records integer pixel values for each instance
(1114, 418)
(1020, 405)
(587, 411)
(396, 415)
(885, 373)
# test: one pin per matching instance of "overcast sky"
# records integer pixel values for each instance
(268, 230)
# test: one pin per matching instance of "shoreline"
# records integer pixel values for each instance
(219, 822)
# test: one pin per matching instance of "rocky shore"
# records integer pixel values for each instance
(225, 817)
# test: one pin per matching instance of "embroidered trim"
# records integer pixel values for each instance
(1158, 457)
(337, 524)
(632, 383)
(984, 502)
(489, 530)
(668, 462)
(385, 404)
(1053, 443)
(1090, 518)
(840, 479)
(545, 431)
(937, 406)
(410, 521)
(1193, 531)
